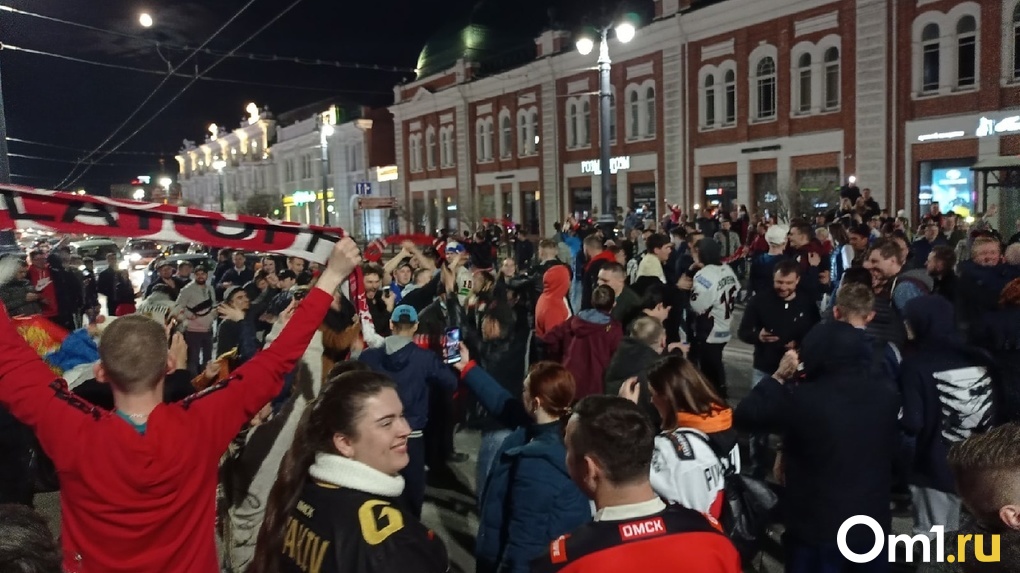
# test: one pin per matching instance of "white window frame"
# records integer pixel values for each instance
(828, 66)
(649, 110)
(1011, 57)
(430, 147)
(948, 49)
(506, 134)
(722, 111)
(480, 140)
(533, 130)
(633, 102)
(522, 133)
(584, 123)
(571, 123)
(705, 75)
(757, 57)
(957, 44)
(798, 74)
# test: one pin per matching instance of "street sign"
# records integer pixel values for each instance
(363, 188)
(376, 203)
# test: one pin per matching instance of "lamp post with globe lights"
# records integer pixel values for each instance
(624, 32)
(218, 165)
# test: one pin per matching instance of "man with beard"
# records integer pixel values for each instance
(196, 305)
(814, 263)
(166, 277)
(940, 266)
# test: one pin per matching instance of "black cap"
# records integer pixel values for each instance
(200, 267)
(284, 274)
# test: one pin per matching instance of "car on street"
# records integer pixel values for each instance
(97, 249)
(140, 252)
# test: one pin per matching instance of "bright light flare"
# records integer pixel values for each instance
(145, 19)
(625, 32)
(585, 46)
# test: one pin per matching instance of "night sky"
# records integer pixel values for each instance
(77, 106)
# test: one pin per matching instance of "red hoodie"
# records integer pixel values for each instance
(135, 502)
(585, 344)
(552, 309)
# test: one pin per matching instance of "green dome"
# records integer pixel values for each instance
(495, 33)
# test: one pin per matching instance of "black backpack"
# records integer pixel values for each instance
(747, 508)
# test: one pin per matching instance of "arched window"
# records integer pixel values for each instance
(444, 138)
(831, 96)
(765, 79)
(572, 125)
(730, 88)
(650, 118)
(488, 139)
(804, 83)
(506, 136)
(1016, 42)
(522, 134)
(430, 148)
(966, 51)
(450, 158)
(480, 140)
(533, 136)
(709, 102)
(585, 123)
(930, 58)
(612, 116)
(635, 115)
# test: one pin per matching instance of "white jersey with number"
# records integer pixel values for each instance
(712, 298)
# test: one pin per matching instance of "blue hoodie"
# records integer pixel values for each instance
(413, 369)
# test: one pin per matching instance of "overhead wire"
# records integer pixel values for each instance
(153, 93)
(212, 52)
(75, 149)
(183, 75)
(152, 117)
(55, 160)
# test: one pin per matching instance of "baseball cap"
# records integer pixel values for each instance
(284, 274)
(404, 314)
(776, 235)
(454, 247)
(230, 292)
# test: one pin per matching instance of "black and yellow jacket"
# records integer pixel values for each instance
(348, 520)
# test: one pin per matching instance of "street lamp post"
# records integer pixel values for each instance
(624, 33)
(218, 165)
(325, 132)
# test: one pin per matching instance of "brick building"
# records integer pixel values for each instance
(717, 101)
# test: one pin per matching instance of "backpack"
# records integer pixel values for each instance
(747, 507)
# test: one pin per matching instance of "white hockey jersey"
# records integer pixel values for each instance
(712, 299)
(685, 470)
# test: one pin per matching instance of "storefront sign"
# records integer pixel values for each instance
(302, 197)
(941, 135)
(594, 166)
(988, 126)
(387, 173)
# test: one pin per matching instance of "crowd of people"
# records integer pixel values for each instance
(591, 362)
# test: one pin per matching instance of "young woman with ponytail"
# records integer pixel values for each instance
(528, 497)
(334, 505)
(698, 444)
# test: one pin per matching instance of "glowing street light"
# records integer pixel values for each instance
(218, 165)
(139, 194)
(585, 45)
(165, 182)
(145, 19)
(625, 32)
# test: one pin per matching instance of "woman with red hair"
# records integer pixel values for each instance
(528, 498)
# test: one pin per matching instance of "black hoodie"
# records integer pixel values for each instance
(839, 430)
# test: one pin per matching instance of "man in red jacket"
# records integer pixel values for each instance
(586, 343)
(609, 444)
(138, 483)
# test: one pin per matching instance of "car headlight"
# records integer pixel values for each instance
(123, 265)
(134, 257)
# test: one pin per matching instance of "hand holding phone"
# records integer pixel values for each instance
(451, 347)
